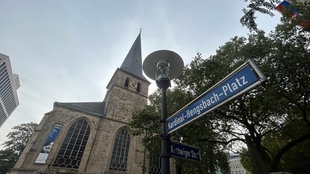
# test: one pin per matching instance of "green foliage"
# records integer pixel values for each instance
(18, 139)
(7, 160)
(278, 108)
(297, 159)
(19, 136)
(261, 6)
(274, 116)
(268, 7)
(246, 160)
(146, 122)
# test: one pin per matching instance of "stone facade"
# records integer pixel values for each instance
(126, 93)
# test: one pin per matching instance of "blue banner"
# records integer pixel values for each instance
(241, 80)
(48, 144)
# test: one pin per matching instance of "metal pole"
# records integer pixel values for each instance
(164, 156)
(163, 82)
(168, 65)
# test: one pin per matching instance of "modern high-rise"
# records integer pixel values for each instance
(9, 83)
(235, 165)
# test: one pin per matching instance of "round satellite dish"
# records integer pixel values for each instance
(175, 61)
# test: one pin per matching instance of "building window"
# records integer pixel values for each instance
(126, 83)
(139, 87)
(71, 152)
(120, 151)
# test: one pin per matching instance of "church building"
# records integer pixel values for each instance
(93, 137)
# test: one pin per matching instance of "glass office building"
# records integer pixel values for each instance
(9, 83)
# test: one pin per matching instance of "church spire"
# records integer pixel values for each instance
(133, 61)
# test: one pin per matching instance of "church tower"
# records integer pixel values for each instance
(128, 86)
(93, 137)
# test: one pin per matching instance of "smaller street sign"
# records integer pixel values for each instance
(180, 150)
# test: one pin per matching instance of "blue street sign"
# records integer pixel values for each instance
(236, 83)
(180, 150)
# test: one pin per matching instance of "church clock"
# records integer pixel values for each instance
(133, 84)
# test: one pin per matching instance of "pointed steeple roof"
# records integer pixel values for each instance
(133, 61)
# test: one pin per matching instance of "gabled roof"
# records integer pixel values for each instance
(94, 108)
(133, 61)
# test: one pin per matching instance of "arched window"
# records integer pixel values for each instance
(120, 151)
(73, 146)
(126, 83)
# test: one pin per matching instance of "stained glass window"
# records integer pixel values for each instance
(73, 146)
(120, 151)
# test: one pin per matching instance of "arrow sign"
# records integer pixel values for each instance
(244, 78)
(184, 151)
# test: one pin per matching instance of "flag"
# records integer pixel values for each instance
(285, 5)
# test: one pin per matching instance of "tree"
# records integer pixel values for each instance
(282, 103)
(18, 139)
(261, 6)
(268, 7)
(7, 160)
(272, 119)
(290, 62)
(147, 122)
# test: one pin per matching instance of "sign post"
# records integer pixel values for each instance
(241, 80)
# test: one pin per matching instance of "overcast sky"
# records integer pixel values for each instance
(68, 50)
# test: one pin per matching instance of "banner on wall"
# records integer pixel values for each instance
(48, 144)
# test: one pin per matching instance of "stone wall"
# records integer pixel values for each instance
(120, 103)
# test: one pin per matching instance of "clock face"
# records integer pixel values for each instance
(133, 84)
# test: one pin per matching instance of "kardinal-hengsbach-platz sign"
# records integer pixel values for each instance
(244, 78)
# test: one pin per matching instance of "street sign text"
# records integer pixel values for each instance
(185, 151)
(241, 80)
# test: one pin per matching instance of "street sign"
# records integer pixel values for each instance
(244, 78)
(180, 150)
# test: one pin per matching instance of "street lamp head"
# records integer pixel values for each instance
(163, 64)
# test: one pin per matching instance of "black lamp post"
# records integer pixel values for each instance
(163, 66)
